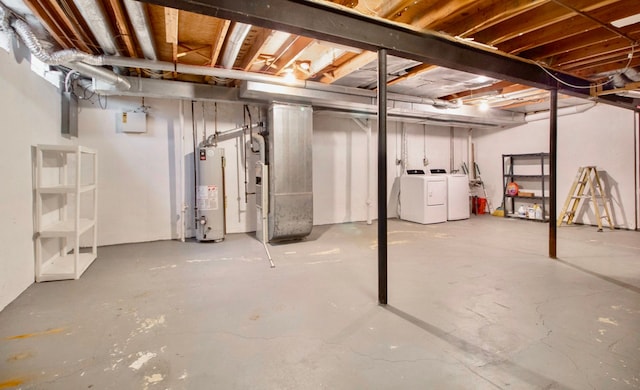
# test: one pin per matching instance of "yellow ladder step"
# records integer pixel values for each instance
(587, 176)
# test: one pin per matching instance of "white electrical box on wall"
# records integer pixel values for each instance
(133, 122)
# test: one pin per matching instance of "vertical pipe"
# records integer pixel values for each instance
(183, 205)
(451, 149)
(553, 156)
(194, 129)
(382, 176)
(369, 153)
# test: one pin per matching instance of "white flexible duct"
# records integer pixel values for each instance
(236, 38)
(561, 112)
(74, 59)
(5, 25)
(93, 13)
(140, 23)
(58, 58)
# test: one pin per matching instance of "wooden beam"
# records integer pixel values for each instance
(440, 10)
(607, 66)
(171, 29)
(292, 53)
(569, 43)
(413, 72)
(123, 28)
(484, 15)
(499, 86)
(262, 37)
(574, 26)
(221, 33)
(350, 66)
(72, 28)
(591, 53)
(195, 51)
(50, 23)
(538, 18)
(620, 55)
(628, 87)
(356, 61)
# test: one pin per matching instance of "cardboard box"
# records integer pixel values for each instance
(526, 194)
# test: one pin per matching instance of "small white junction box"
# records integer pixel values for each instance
(133, 122)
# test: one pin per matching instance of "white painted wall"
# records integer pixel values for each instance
(30, 112)
(602, 136)
(340, 164)
(139, 174)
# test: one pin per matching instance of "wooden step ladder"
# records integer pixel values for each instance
(586, 177)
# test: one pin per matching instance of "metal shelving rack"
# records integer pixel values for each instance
(540, 178)
(62, 219)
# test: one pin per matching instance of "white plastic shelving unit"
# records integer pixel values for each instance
(66, 234)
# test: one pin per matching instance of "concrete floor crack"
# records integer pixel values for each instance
(476, 373)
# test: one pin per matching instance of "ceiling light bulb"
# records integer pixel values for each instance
(289, 77)
(484, 105)
(305, 65)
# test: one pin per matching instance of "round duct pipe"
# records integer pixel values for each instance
(561, 112)
(236, 38)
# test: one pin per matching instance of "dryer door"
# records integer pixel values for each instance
(436, 192)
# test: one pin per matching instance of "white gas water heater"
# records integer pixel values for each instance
(210, 198)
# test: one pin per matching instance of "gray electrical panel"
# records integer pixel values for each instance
(290, 171)
(210, 216)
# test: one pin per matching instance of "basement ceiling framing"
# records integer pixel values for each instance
(438, 48)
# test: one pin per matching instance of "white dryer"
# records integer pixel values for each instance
(457, 196)
(423, 198)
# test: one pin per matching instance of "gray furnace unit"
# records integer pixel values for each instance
(210, 194)
(290, 168)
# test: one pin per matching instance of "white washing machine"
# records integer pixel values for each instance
(457, 196)
(423, 198)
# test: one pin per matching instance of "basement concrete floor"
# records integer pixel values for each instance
(473, 304)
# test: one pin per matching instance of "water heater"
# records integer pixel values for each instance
(210, 198)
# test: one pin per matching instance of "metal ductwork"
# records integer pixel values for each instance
(140, 23)
(561, 112)
(290, 172)
(82, 62)
(237, 36)
(37, 50)
(100, 73)
(95, 16)
(264, 78)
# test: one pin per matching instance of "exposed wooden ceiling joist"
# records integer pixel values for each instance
(171, 30)
(220, 33)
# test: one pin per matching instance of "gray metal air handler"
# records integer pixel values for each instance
(290, 181)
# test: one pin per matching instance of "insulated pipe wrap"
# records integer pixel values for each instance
(5, 25)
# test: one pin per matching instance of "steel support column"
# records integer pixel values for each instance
(382, 176)
(553, 158)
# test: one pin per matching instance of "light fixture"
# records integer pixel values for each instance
(626, 21)
(484, 105)
(289, 75)
(304, 65)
